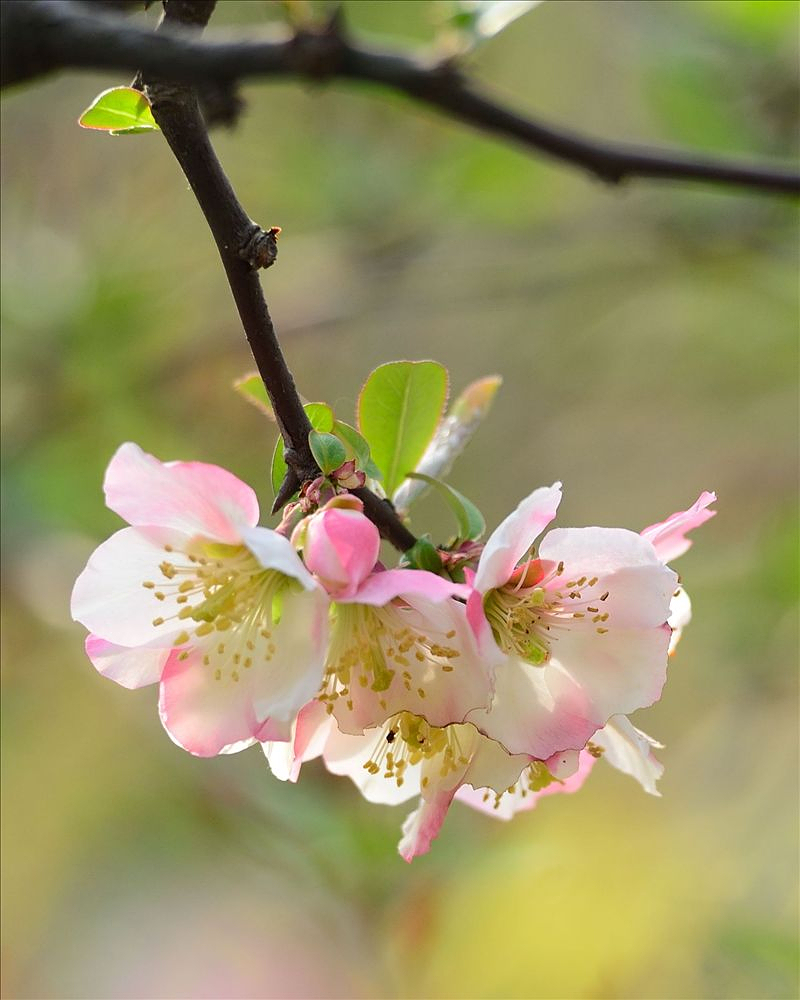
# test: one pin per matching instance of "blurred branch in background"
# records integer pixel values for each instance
(39, 36)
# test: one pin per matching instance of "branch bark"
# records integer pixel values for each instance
(42, 35)
(243, 248)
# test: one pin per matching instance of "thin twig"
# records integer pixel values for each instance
(244, 247)
(43, 35)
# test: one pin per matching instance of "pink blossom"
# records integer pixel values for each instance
(399, 642)
(580, 628)
(197, 597)
(401, 759)
(669, 539)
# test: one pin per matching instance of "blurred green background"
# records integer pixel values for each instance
(648, 342)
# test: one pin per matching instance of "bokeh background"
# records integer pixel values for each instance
(648, 341)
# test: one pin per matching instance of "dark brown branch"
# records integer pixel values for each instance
(43, 35)
(244, 247)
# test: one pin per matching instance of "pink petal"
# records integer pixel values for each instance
(680, 614)
(341, 547)
(422, 826)
(109, 597)
(511, 803)
(442, 689)
(514, 536)
(639, 586)
(203, 715)
(380, 588)
(132, 668)
(588, 678)
(190, 497)
(669, 537)
(207, 705)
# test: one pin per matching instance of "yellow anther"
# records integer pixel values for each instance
(181, 639)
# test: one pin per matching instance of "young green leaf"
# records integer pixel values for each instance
(251, 388)
(399, 409)
(422, 555)
(321, 417)
(452, 436)
(328, 451)
(119, 111)
(471, 524)
(356, 445)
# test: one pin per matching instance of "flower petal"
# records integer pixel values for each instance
(589, 678)
(341, 548)
(191, 497)
(422, 826)
(680, 614)
(440, 676)
(109, 597)
(669, 537)
(624, 564)
(515, 535)
(250, 685)
(132, 668)
(520, 798)
(274, 551)
(631, 751)
(380, 588)
(346, 755)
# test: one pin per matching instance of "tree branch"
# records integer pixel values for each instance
(42, 35)
(244, 247)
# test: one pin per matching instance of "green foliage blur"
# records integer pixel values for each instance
(647, 338)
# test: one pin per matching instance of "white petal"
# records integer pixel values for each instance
(631, 751)
(515, 535)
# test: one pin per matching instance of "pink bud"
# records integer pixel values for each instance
(341, 548)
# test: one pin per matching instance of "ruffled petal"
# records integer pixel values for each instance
(526, 717)
(201, 713)
(588, 678)
(191, 497)
(520, 798)
(628, 580)
(131, 668)
(515, 535)
(346, 755)
(110, 599)
(422, 826)
(668, 537)
(381, 588)
(630, 750)
(439, 675)
(246, 682)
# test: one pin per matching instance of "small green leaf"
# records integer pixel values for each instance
(471, 524)
(328, 451)
(251, 388)
(356, 445)
(399, 409)
(452, 436)
(423, 554)
(119, 111)
(321, 417)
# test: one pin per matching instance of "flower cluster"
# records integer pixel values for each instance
(495, 690)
